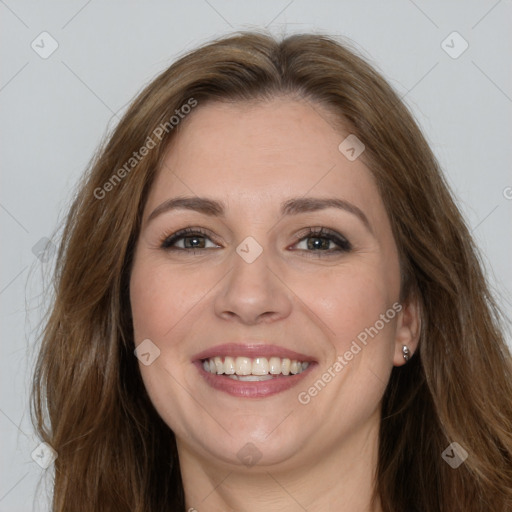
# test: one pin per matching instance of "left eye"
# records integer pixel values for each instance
(319, 240)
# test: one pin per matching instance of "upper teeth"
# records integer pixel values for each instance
(256, 366)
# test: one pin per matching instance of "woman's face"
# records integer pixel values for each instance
(249, 290)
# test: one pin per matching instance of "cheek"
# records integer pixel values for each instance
(357, 306)
(351, 299)
(160, 298)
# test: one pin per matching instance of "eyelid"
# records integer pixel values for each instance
(317, 230)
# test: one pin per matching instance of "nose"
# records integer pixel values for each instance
(254, 292)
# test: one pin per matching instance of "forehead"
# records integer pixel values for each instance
(256, 155)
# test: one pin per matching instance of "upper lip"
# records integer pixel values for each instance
(252, 350)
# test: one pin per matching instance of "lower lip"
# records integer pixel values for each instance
(257, 389)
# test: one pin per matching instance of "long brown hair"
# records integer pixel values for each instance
(89, 403)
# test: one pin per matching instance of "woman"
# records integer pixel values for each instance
(266, 299)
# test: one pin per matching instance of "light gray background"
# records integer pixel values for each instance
(55, 111)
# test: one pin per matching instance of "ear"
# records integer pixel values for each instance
(408, 328)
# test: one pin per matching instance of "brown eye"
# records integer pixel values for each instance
(321, 240)
(193, 238)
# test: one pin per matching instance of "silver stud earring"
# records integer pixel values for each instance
(406, 352)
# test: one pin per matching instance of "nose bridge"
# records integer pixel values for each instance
(252, 289)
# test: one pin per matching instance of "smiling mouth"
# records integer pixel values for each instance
(253, 369)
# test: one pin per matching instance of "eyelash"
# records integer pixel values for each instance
(343, 244)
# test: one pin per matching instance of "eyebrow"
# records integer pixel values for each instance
(292, 206)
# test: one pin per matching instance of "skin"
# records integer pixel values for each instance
(253, 156)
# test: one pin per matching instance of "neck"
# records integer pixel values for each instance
(342, 479)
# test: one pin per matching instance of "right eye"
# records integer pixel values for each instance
(193, 238)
